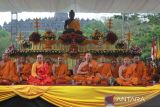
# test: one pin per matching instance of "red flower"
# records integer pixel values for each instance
(69, 37)
(111, 37)
(35, 37)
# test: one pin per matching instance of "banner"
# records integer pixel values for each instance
(83, 96)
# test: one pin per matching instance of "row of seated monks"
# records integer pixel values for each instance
(85, 72)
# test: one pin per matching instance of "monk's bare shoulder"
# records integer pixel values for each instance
(82, 64)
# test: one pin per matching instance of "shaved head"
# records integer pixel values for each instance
(88, 55)
(136, 59)
(5, 56)
(60, 59)
(126, 61)
(39, 58)
(22, 59)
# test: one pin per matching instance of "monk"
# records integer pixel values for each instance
(135, 73)
(114, 68)
(150, 71)
(125, 72)
(8, 73)
(139, 75)
(24, 68)
(156, 74)
(75, 68)
(60, 72)
(104, 73)
(40, 74)
(86, 73)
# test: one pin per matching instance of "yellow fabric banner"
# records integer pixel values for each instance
(82, 96)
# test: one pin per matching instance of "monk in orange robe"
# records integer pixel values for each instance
(139, 75)
(40, 74)
(135, 73)
(104, 73)
(60, 72)
(86, 73)
(8, 73)
(156, 73)
(114, 68)
(151, 71)
(125, 72)
(75, 68)
(24, 68)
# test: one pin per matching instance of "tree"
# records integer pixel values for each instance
(5, 41)
(90, 27)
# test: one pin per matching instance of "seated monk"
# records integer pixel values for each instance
(156, 73)
(71, 24)
(8, 73)
(86, 73)
(125, 72)
(60, 72)
(75, 68)
(140, 75)
(41, 72)
(104, 73)
(150, 71)
(114, 68)
(24, 68)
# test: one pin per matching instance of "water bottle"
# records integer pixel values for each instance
(153, 82)
(111, 81)
(72, 82)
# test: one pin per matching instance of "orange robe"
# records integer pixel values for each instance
(40, 74)
(135, 74)
(74, 24)
(149, 72)
(126, 74)
(138, 75)
(105, 72)
(61, 74)
(26, 71)
(115, 71)
(8, 72)
(89, 78)
(36, 66)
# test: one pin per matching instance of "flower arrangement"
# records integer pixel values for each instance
(35, 37)
(111, 37)
(69, 37)
(26, 44)
(97, 35)
(73, 50)
(48, 35)
(121, 44)
(135, 50)
(10, 49)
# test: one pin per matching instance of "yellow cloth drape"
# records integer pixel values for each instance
(81, 96)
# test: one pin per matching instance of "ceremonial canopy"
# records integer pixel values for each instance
(91, 6)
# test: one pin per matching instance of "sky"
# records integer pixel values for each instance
(6, 16)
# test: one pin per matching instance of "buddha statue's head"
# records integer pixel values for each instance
(71, 14)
